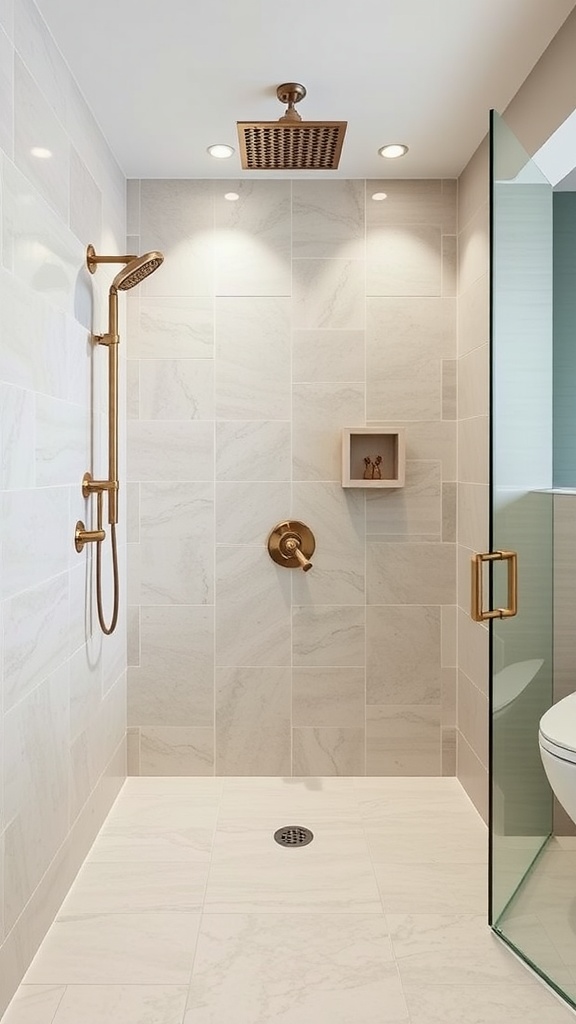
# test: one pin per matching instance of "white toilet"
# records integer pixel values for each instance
(557, 739)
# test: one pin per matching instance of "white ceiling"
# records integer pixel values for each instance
(166, 78)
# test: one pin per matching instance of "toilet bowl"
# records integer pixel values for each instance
(557, 741)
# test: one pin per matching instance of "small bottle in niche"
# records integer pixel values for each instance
(368, 469)
(376, 471)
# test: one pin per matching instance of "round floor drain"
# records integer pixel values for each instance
(293, 835)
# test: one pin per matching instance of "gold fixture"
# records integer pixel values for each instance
(478, 612)
(291, 144)
(135, 270)
(292, 544)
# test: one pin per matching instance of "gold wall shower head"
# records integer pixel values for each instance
(291, 144)
(137, 270)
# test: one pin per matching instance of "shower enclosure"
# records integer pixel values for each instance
(531, 895)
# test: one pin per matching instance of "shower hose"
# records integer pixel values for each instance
(107, 629)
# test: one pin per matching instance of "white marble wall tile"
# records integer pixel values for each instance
(176, 389)
(328, 219)
(35, 636)
(428, 440)
(410, 511)
(176, 750)
(253, 238)
(7, 17)
(36, 788)
(246, 512)
(172, 510)
(319, 413)
(85, 690)
(411, 573)
(328, 751)
(132, 512)
(328, 356)
(403, 740)
(35, 124)
(28, 517)
(412, 201)
(174, 684)
(62, 436)
(473, 249)
(17, 438)
(6, 94)
(133, 389)
(253, 450)
(176, 217)
(253, 721)
(408, 337)
(85, 202)
(403, 260)
(473, 383)
(328, 635)
(172, 328)
(337, 519)
(328, 293)
(253, 358)
(403, 399)
(178, 573)
(170, 451)
(133, 206)
(252, 608)
(37, 49)
(403, 654)
(32, 353)
(328, 697)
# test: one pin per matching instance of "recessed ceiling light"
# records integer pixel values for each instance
(41, 152)
(393, 151)
(379, 196)
(220, 152)
(231, 196)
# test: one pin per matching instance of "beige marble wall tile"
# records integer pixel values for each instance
(328, 356)
(253, 721)
(403, 655)
(404, 399)
(472, 775)
(326, 751)
(328, 293)
(403, 260)
(410, 573)
(257, 450)
(474, 315)
(174, 327)
(253, 358)
(252, 608)
(449, 264)
(449, 383)
(449, 698)
(449, 634)
(319, 413)
(246, 511)
(176, 751)
(174, 684)
(328, 697)
(410, 511)
(473, 510)
(328, 219)
(473, 383)
(176, 389)
(408, 337)
(473, 649)
(473, 242)
(473, 717)
(328, 635)
(449, 511)
(473, 445)
(133, 751)
(253, 238)
(337, 519)
(416, 201)
(448, 751)
(403, 740)
(170, 450)
(473, 184)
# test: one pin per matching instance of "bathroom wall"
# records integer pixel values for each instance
(276, 320)
(564, 204)
(63, 685)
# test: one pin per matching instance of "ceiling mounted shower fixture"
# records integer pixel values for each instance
(291, 144)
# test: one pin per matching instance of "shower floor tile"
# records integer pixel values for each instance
(187, 912)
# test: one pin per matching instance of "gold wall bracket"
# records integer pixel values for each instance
(83, 536)
(292, 544)
(478, 612)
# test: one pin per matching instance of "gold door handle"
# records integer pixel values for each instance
(480, 614)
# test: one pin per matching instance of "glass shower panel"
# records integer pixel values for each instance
(521, 514)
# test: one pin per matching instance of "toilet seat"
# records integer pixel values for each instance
(557, 732)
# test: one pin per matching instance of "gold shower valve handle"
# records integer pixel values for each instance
(83, 536)
(291, 544)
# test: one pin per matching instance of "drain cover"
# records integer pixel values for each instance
(293, 835)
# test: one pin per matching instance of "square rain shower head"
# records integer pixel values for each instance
(291, 146)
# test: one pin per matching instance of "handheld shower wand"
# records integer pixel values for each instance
(135, 270)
